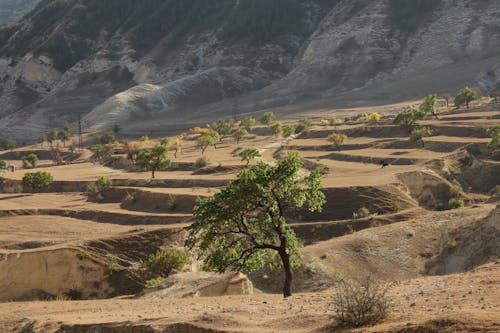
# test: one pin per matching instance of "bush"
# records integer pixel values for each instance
(363, 212)
(336, 121)
(37, 180)
(151, 283)
(112, 263)
(465, 97)
(494, 133)
(418, 134)
(267, 118)
(324, 122)
(30, 160)
(201, 162)
(455, 203)
(3, 164)
(165, 261)
(408, 118)
(495, 190)
(303, 126)
(360, 303)
(288, 131)
(337, 139)
(373, 117)
(95, 189)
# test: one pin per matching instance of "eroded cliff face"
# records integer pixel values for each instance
(129, 61)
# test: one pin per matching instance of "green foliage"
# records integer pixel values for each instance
(267, 118)
(10, 144)
(144, 138)
(223, 127)
(336, 121)
(494, 133)
(373, 117)
(96, 189)
(151, 283)
(337, 139)
(112, 263)
(3, 164)
(131, 151)
(418, 134)
(165, 261)
(363, 212)
(238, 134)
(64, 136)
(249, 154)
(303, 126)
(201, 162)
(243, 226)
(153, 159)
(165, 141)
(37, 180)
(465, 96)
(276, 128)
(207, 139)
(51, 136)
(102, 151)
(247, 123)
(429, 105)
(30, 161)
(409, 117)
(104, 139)
(455, 203)
(288, 130)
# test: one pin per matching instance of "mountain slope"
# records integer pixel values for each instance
(123, 61)
(13, 10)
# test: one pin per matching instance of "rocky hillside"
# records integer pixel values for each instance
(171, 61)
(13, 10)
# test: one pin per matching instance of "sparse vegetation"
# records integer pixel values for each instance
(166, 261)
(336, 121)
(243, 227)
(207, 139)
(247, 123)
(360, 303)
(201, 162)
(112, 264)
(249, 154)
(95, 190)
(3, 164)
(151, 283)
(337, 139)
(37, 180)
(363, 212)
(102, 152)
(418, 134)
(455, 203)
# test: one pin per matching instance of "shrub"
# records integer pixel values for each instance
(363, 212)
(337, 139)
(165, 261)
(276, 128)
(495, 190)
(102, 151)
(95, 189)
(267, 118)
(452, 243)
(336, 121)
(418, 134)
(373, 117)
(37, 180)
(144, 138)
(3, 164)
(112, 263)
(408, 118)
(151, 283)
(494, 133)
(455, 203)
(359, 303)
(465, 96)
(303, 126)
(201, 162)
(288, 131)
(30, 160)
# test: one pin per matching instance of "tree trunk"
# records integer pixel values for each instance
(287, 268)
(153, 173)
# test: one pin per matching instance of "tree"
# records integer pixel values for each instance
(247, 123)
(144, 138)
(288, 131)
(223, 127)
(37, 180)
(131, 151)
(337, 139)
(51, 136)
(243, 227)
(206, 140)
(10, 144)
(154, 159)
(494, 133)
(56, 155)
(408, 118)
(104, 139)
(102, 152)
(418, 134)
(465, 96)
(116, 129)
(3, 164)
(177, 145)
(303, 126)
(447, 98)
(30, 160)
(238, 134)
(276, 128)
(248, 154)
(429, 105)
(165, 141)
(63, 136)
(267, 118)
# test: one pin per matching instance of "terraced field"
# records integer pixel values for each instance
(56, 242)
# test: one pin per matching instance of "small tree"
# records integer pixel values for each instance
(3, 164)
(30, 161)
(57, 157)
(418, 134)
(95, 190)
(303, 126)
(144, 138)
(373, 117)
(429, 105)
(247, 123)
(154, 159)
(249, 154)
(104, 139)
(267, 118)
(238, 134)
(337, 139)
(465, 96)
(177, 145)
(276, 128)
(243, 227)
(165, 261)
(223, 127)
(51, 136)
(10, 144)
(447, 98)
(408, 118)
(37, 180)
(494, 133)
(288, 131)
(63, 136)
(206, 140)
(165, 141)
(102, 152)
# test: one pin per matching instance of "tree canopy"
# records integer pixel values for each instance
(429, 105)
(243, 227)
(154, 159)
(408, 118)
(465, 96)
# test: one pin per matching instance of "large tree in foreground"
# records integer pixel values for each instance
(243, 227)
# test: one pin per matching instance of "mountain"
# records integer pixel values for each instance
(150, 63)
(13, 10)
